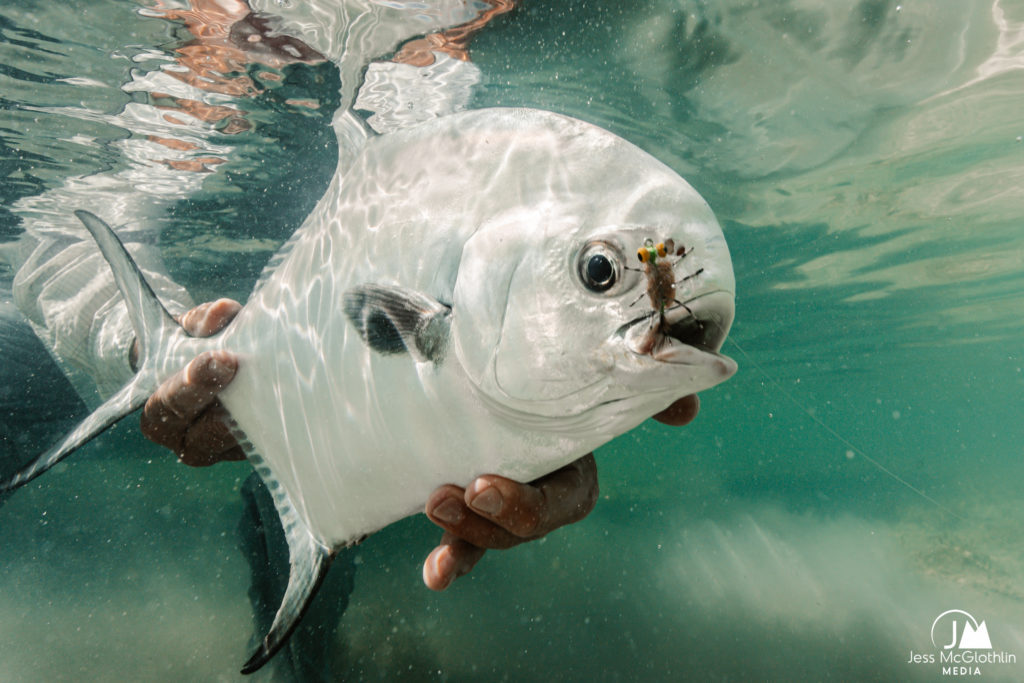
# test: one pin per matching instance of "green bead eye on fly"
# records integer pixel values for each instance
(598, 267)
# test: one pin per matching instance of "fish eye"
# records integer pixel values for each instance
(598, 267)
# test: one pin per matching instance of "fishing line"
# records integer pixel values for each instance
(842, 439)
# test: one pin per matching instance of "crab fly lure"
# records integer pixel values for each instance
(658, 262)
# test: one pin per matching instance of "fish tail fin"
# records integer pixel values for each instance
(123, 403)
(151, 322)
(308, 561)
(149, 318)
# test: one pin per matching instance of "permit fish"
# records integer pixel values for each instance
(458, 303)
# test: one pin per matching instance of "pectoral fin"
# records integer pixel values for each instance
(393, 320)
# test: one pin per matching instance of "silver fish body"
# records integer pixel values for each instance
(461, 301)
(483, 212)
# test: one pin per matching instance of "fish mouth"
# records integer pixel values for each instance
(685, 333)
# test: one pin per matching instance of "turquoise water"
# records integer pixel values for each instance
(859, 476)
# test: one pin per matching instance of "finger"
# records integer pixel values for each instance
(448, 561)
(533, 510)
(208, 440)
(681, 412)
(447, 508)
(202, 321)
(496, 512)
(183, 397)
(210, 318)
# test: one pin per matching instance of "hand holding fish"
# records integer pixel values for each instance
(493, 512)
(497, 513)
(184, 414)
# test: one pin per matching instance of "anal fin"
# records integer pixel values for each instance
(308, 562)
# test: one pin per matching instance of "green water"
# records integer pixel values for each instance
(860, 475)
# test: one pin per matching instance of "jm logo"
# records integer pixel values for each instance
(973, 636)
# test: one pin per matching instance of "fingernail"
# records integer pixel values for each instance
(190, 369)
(219, 371)
(446, 565)
(449, 512)
(488, 501)
(439, 569)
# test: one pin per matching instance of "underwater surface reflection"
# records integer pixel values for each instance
(857, 479)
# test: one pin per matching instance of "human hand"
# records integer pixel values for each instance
(497, 513)
(184, 414)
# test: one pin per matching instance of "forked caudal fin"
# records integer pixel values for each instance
(151, 322)
(309, 559)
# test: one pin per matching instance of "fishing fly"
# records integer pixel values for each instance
(658, 262)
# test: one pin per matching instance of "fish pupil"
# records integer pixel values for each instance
(600, 272)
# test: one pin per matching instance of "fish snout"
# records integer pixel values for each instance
(688, 333)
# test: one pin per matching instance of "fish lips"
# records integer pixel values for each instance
(690, 333)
